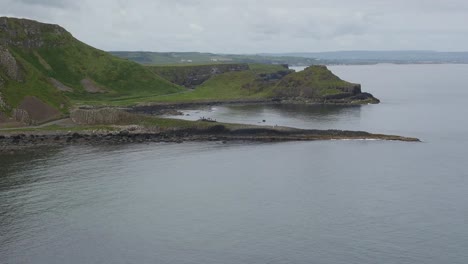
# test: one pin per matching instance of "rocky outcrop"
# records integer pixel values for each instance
(192, 76)
(60, 86)
(91, 87)
(9, 65)
(274, 76)
(317, 84)
(137, 134)
(21, 116)
(101, 116)
(30, 34)
(3, 104)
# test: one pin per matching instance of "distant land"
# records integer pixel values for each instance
(176, 58)
(298, 59)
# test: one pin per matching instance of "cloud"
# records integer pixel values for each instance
(245, 26)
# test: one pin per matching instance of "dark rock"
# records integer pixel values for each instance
(124, 133)
(192, 76)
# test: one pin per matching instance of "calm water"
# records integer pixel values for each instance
(299, 202)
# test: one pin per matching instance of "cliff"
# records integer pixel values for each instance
(43, 69)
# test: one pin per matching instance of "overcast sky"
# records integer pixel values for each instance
(255, 26)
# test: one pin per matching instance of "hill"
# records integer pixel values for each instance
(316, 84)
(44, 70)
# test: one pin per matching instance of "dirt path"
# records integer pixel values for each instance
(54, 122)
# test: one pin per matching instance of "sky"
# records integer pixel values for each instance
(255, 26)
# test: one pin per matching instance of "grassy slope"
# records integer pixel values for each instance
(314, 82)
(226, 86)
(69, 61)
(127, 83)
(76, 61)
(35, 84)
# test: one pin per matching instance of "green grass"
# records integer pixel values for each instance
(315, 81)
(34, 84)
(147, 122)
(69, 61)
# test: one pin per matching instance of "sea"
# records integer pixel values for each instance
(330, 202)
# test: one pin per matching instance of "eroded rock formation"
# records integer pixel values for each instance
(9, 65)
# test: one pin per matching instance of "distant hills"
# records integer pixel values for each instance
(182, 58)
(371, 57)
(299, 59)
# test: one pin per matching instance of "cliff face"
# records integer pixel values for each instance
(9, 65)
(24, 33)
(192, 76)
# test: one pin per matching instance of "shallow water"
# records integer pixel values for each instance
(296, 202)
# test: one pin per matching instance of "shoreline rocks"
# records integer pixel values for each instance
(9, 142)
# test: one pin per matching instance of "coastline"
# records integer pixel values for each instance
(162, 108)
(12, 141)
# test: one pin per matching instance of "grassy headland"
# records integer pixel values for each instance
(45, 74)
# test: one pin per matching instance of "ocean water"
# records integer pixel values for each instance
(295, 202)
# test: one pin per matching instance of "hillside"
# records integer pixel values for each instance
(44, 69)
(316, 84)
(191, 76)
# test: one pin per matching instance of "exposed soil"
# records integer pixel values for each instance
(91, 87)
(60, 86)
(38, 110)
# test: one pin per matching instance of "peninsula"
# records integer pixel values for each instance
(46, 75)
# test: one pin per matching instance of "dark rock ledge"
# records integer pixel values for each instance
(9, 142)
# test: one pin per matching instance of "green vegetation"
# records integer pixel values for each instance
(193, 75)
(313, 82)
(46, 62)
(263, 81)
(35, 84)
(51, 52)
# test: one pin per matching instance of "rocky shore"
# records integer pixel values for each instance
(15, 141)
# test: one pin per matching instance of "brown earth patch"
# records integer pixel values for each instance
(91, 87)
(38, 110)
(60, 86)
